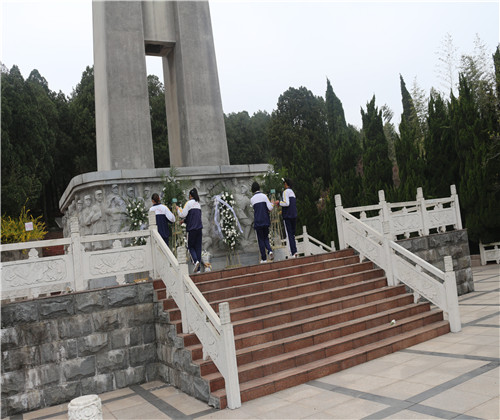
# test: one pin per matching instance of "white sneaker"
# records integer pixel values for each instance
(263, 261)
(295, 255)
(271, 256)
(196, 266)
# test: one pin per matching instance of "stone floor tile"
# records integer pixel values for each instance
(403, 371)
(456, 401)
(154, 384)
(107, 415)
(291, 411)
(370, 383)
(354, 410)
(143, 411)
(494, 373)
(117, 393)
(343, 378)
(48, 411)
(431, 377)
(485, 385)
(402, 390)
(240, 413)
(480, 339)
(408, 415)
(489, 410)
(325, 400)
(262, 405)
(298, 393)
(122, 403)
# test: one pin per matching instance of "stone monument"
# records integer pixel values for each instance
(180, 32)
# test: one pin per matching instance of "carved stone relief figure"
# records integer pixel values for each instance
(131, 193)
(98, 218)
(242, 201)
(146, 198)
(115, 210)
(86, 220)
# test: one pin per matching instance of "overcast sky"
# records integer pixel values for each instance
(263, 47)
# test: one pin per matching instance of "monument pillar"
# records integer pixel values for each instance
(181, 33)
(123, 127)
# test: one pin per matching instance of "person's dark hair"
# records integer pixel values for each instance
(255, 187)
(156, 198)
(288, 182)
(194, 193)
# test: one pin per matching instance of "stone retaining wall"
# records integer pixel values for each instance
(434, 248)
(58, 348)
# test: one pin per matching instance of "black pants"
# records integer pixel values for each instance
(290, 234)
(194, 244)
(263, 240)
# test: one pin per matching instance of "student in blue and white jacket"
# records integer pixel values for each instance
(163, 216)
(191, 213)
(261, 207)
(289, 213)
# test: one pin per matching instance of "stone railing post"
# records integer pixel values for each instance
(77, 253)
(338, 217)
(450, 286)
(456, 205)
(232, 380)
(386, 214)
(152, 227)
(423, 211)
(389, 272)
(482, 253)
(307, 243)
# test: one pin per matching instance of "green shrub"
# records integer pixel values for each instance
(14, 230)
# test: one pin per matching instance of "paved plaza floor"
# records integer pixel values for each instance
(451, 376)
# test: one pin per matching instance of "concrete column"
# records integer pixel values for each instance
(87, 407)
(196, 130)
(123, 127)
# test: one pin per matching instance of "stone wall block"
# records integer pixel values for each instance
(152, 370)
(92, 343)
(97, 384)
(37, 333)
(130, 376)
(58, 351)
(108, 320)
(61, 306)
(21, 403)
(13, 382)
(112, 360)
(20, 358)
(141, 355)
(50, 374)
(186, 383)
(201, 389)
(61, 393)
(76, 326)
(10, 338)
(19, 312)
(148, 333)
(162, 372)
(120, 338)
(139, 315)
(122, 296)
(81, 367)
(90, 302)
(145, 292)
(161, 316)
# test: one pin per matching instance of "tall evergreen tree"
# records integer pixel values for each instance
(408, 154)
(299, 140)
(377, 167)
(158, 116)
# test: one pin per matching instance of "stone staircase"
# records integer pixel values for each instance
(305, 318)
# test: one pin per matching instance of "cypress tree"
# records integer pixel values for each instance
(377, 167)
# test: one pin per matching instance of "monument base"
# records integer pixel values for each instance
(99, 201)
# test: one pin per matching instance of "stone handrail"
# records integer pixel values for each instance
(215, 333)
(400, 265)
(489, 252)
(28, 278)
(412, 217)
(308, 245)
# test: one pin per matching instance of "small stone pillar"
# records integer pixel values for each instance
(86, 407)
